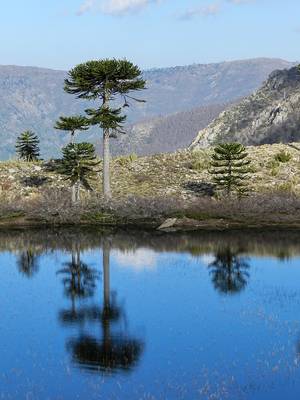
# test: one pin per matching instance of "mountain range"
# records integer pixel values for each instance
(33, 98)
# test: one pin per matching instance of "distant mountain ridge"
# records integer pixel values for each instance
(184, 88)
(270, 115)
(33, 98)
(169, 133)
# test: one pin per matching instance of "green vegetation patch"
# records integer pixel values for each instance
(100, 218)
(125, 161)
(283, 156)
(200, 161)
(12, 215)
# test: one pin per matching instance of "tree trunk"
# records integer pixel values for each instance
(74, 194)
(106, 154)
(106, 167)
(78, 192)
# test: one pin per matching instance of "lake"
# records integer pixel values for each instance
(87, 314)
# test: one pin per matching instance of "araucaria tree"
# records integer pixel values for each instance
(106, 80)
(27, 146)
(230, 168)
(78, 165)
(72, 124)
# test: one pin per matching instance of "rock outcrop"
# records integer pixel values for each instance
(270, 115)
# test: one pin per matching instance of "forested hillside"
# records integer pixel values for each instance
(167, 134)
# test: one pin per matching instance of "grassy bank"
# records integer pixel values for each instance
(149, 190)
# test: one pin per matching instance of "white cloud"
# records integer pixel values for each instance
(86, 6)
(207, 259)
(240, 1)
(114, 7)
(210, 9)
(205, 11)
(137, 260)
(125, 6)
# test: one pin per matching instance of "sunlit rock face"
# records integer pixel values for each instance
(270, 115)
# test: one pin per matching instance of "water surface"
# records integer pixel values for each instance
(135, 315)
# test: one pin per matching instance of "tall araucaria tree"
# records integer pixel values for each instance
(72, 124)
(108, 81)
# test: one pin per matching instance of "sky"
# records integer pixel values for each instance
(151, 33)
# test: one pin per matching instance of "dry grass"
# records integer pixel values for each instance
(54, 207)
(153, 188)
(175, 174)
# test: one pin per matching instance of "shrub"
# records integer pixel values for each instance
(200, 161)
(125, 161)
(286, 187)
(283, 156)
(272, 164)
(274, 171)
(52, 206)
(142, 178)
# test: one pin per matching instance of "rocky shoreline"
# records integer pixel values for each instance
(170, 225)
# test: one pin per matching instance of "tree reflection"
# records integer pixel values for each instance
(28, 263)
(79, 282)
(229, 271)
(111, 350)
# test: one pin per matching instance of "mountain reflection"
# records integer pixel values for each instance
(229, 271)
(111, 350)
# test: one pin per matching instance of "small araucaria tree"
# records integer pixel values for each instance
(106, 80)
(27, 146)
(230, 168)
(72, 124)
(78, 165)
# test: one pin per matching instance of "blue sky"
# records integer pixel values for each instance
(152, 33)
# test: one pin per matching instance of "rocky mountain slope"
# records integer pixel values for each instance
(33, 98)
(270, 115)
(166, 134)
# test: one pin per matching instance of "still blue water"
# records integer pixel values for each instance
(141, 316)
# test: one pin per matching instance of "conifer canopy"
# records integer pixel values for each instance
(79, 163)
(92, 79)
(230, 168)
(72, 124)
(106, 80)
(27, 146)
